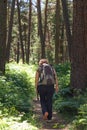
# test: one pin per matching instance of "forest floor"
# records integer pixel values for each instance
(57, 123)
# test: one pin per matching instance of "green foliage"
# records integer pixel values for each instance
(63, 72)
(80, 122)
(16, 95)
(63, 101)
(63, 69)
(3, 88)
(15, 123)
(16, 89)
(67, 103)
(3, 125)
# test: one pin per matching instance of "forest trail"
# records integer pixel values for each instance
(57, 122)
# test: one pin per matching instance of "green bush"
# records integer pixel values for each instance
(63, 69)
(16, 89)
(16, 94)
(80, 123)
(3, 89)
(64, 101)
(63, 72)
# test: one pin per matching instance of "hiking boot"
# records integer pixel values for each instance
(45, 116)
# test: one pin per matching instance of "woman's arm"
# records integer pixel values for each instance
(36, 79)
(56, 85)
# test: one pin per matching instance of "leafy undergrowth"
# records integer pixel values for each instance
(72, 104)
(16, 95)
(17, 91)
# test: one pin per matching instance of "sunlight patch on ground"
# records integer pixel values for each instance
(22, 126)
(8, 124)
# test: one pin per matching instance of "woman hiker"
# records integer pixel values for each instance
(46, 83)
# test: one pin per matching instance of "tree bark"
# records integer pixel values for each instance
(45, 22)
(20, 31)
(10, 32)
(3, 34)
(18, 52)
(29, 32)
(40, 29)
(57, 42)
(67, 25)
(79, 45)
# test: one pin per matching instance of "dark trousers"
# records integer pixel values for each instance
(46, 94)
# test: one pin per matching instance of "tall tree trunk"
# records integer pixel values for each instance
(10, 32)
(63, 43)
(41, 30)
(79, 45)
(18, 51)
(25, 38)
(3, 33)
(57, 42)
(67, 25)
(29, 32)
(20, 31)
(45, 22)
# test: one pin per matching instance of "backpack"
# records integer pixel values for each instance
(47, 76)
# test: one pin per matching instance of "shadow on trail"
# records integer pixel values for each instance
(57, 122)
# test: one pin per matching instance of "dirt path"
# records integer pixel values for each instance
(56, 124)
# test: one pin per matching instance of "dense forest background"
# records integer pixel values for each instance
(56, 30)
(36, 29)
